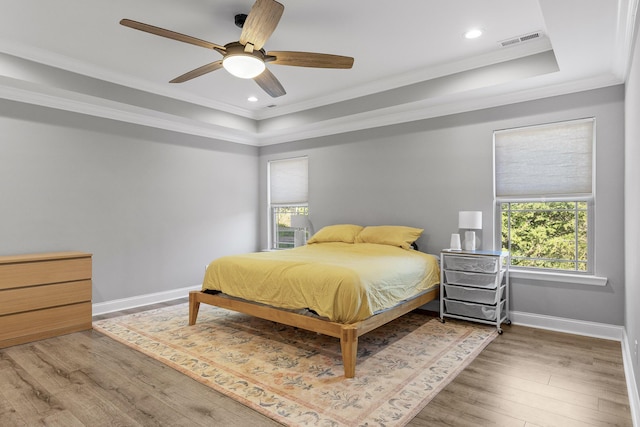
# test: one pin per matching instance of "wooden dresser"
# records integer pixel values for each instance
(44, 295)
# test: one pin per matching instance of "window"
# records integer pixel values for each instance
(288, 195)
(544, 195)
(550, 235)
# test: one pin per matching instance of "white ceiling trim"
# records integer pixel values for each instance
(626, 27)
(18, 90)
(21, 91)
(460, 103)
(68, 64)
(530, 48)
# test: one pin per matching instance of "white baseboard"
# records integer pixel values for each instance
(571, 326)
(142, 300)
(632, 388)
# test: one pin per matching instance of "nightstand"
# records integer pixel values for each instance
(474, 285)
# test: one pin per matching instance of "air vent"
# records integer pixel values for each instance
(521, 39)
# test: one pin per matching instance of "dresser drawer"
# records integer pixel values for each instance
(471, 263)
(39, 324)
(478, 280)
(21, 274)
(477, 311)
(478, 295)
(45, 296)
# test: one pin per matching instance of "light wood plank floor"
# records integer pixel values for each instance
(525, 377)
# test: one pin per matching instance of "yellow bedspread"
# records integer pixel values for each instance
(341, 281)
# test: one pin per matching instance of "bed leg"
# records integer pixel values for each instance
(349, 348)
(194, 307)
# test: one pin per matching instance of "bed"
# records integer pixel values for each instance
(346, 281)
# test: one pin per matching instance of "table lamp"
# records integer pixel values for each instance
(470, 221)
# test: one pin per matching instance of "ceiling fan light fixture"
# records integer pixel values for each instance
(243, 66)
(246, 58)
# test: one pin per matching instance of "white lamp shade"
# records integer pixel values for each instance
(470, 220)
(243, 66)
(299, 221)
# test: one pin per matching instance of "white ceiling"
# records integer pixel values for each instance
(394, 44)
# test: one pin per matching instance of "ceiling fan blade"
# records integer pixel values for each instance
(261, 22)
(270, 84)
(169, 34)
(198, 72)
(310, 59)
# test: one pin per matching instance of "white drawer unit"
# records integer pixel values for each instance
(474, 285)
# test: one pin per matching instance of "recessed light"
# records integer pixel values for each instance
(252, 99)
(473, 33)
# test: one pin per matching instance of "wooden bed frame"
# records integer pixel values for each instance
(348, 333)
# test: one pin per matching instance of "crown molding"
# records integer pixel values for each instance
(368, 88)
(62, 62)
(449, 98)
(25, 92)
(21, 91)
(382, 85)
(625, 31)
(437, 107)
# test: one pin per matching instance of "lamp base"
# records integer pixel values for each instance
(471, 242)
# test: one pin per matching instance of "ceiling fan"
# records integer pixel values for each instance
(246, 57)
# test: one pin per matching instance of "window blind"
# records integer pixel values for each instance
(547, 161)
(289, 181)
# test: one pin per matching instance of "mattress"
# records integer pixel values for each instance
(343, 282)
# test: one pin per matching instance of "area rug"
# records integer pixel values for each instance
(294, 376)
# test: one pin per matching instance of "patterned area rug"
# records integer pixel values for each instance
(295, 377)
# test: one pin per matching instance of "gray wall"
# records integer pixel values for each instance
(422, 173)
(153, 207)
(632, 209)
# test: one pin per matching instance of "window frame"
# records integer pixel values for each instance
(272, 228)
(590, 234)
(301, 209)
(536, 272)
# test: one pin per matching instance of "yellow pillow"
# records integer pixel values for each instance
(336, 233)
(394, 235)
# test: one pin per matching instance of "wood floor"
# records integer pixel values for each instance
(525, 377)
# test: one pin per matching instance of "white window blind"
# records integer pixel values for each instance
(289, 181)
(547, 161)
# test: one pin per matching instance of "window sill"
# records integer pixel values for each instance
(577, 279)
